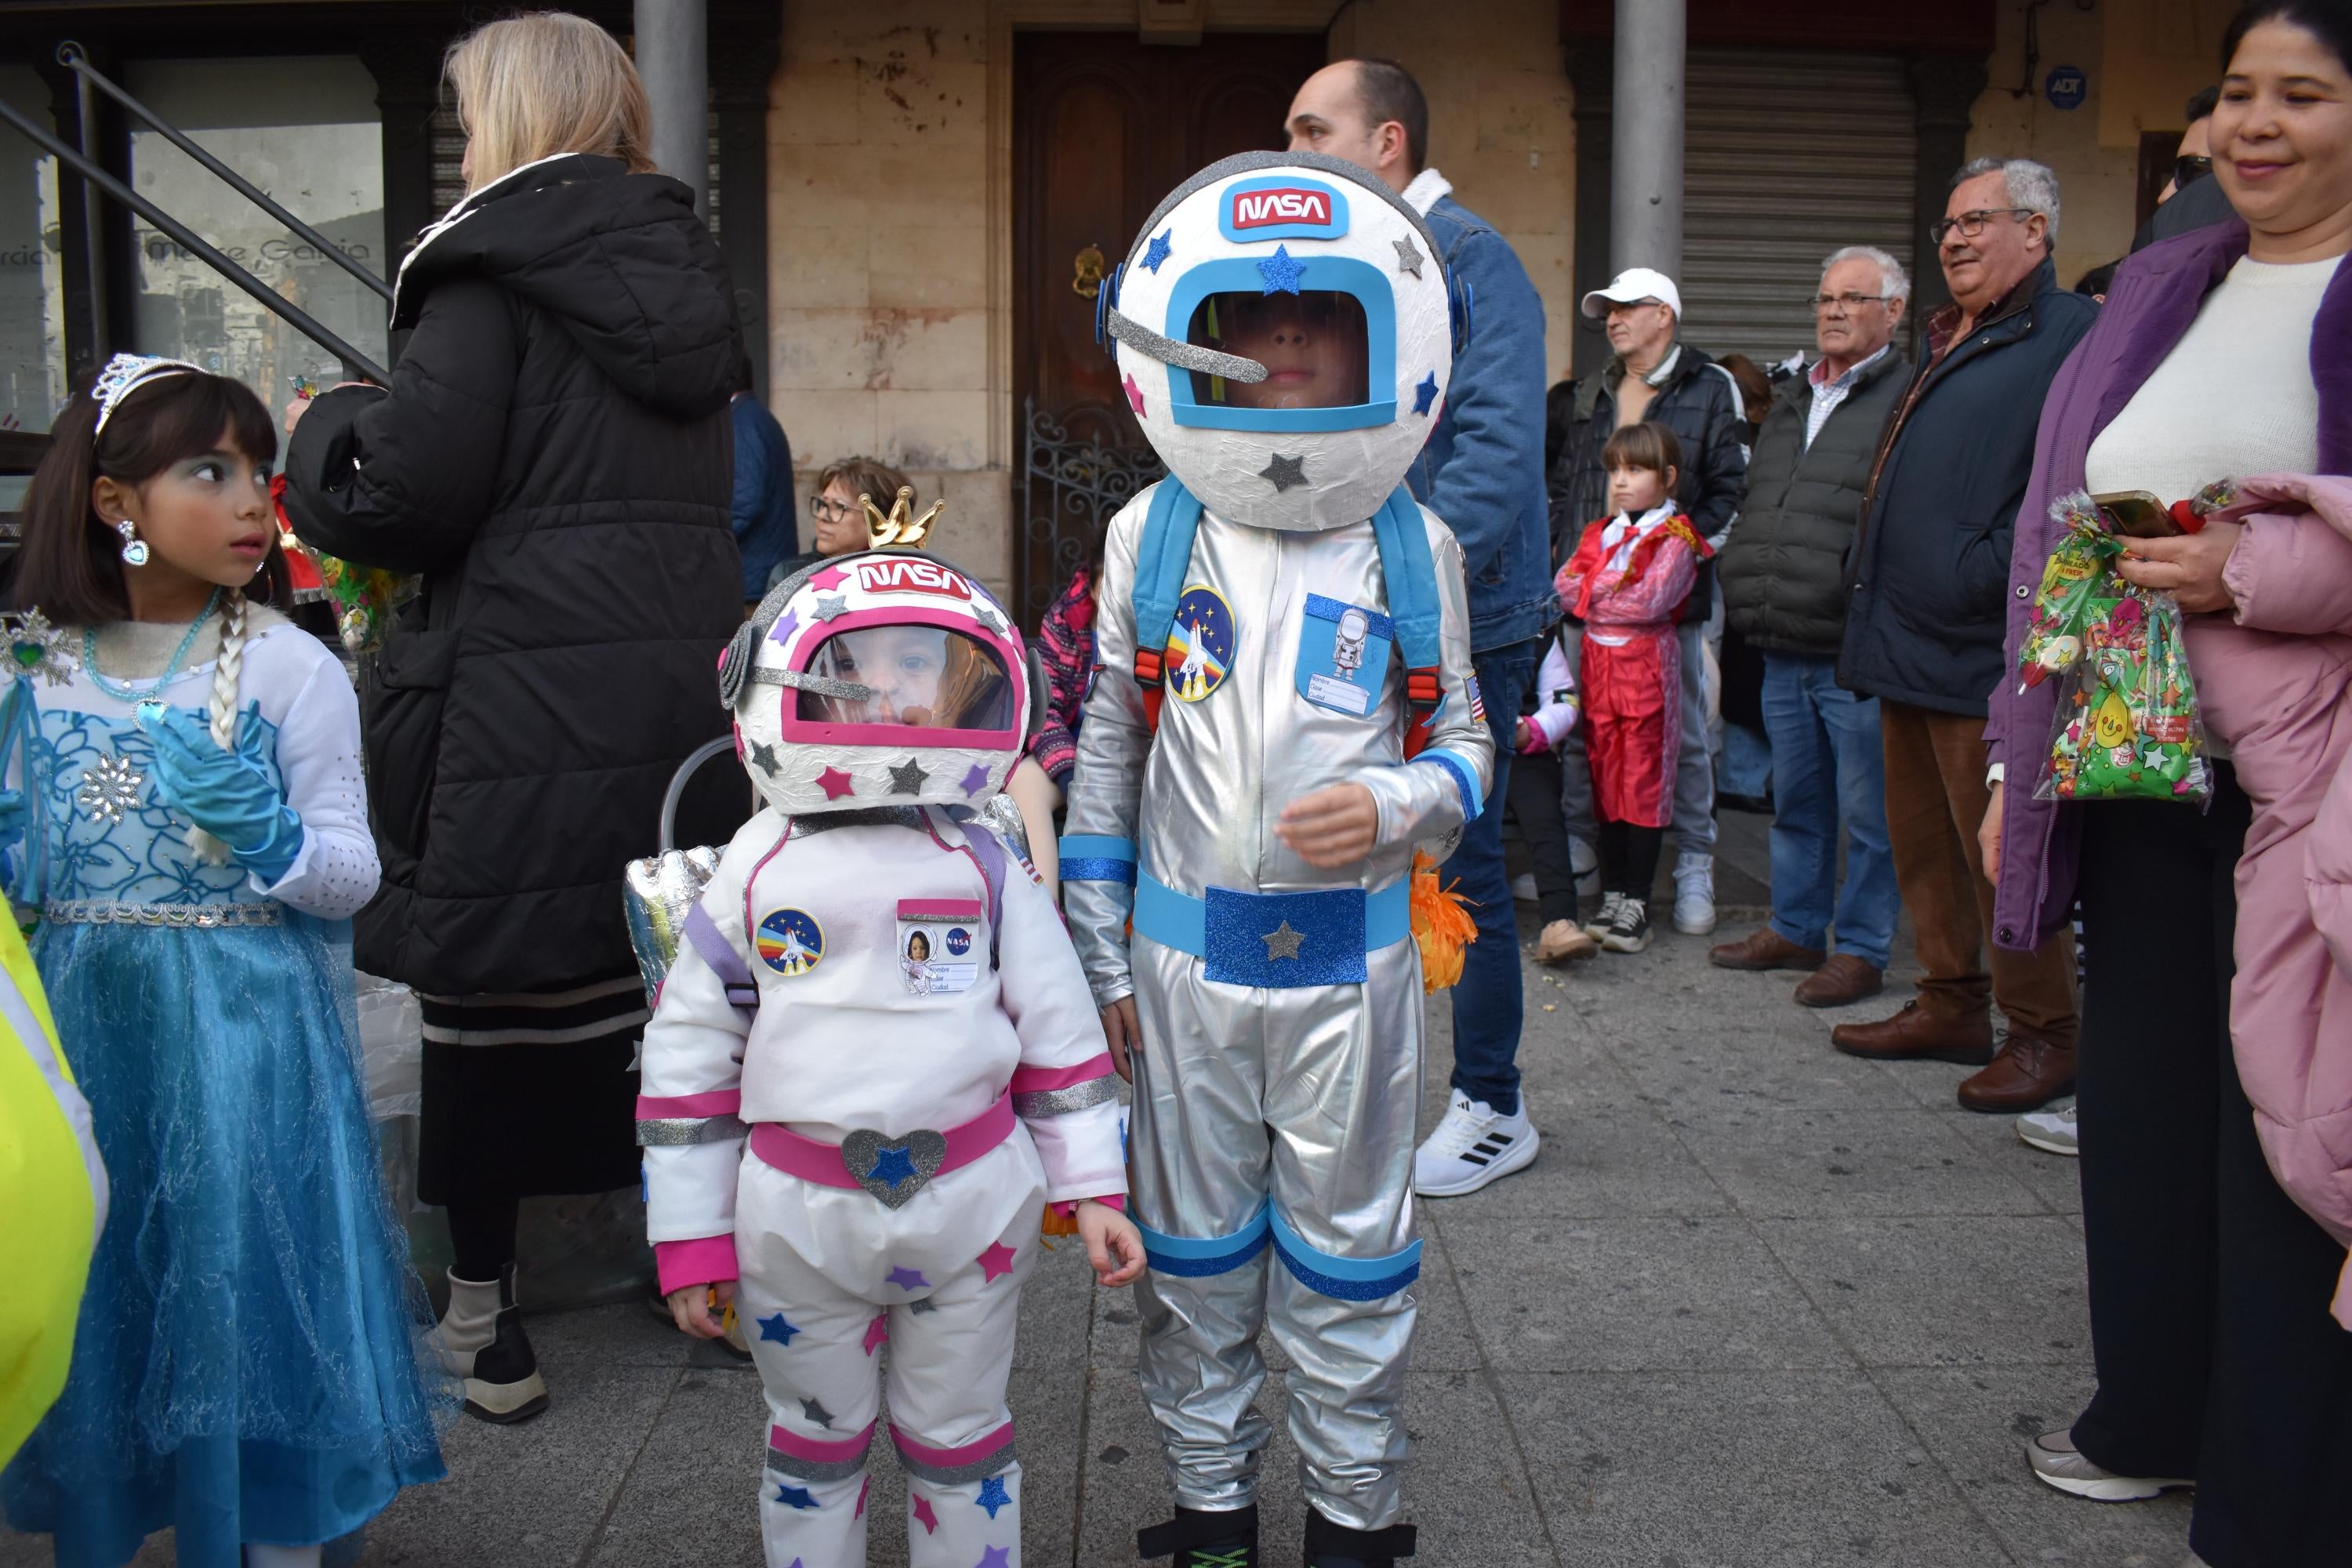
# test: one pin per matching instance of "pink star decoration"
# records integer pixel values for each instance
(876, 1331)
(863, 1488)
(930, 1520)
(831, 577)
(835, 783)
(997, 1261)
(1135, 396)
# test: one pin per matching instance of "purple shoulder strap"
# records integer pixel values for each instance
(989, 853)
(742, 991)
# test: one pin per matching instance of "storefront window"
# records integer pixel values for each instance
(306, 131)
(32, 269)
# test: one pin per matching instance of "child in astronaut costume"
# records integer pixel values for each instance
(1255, 768)
(875, 1063)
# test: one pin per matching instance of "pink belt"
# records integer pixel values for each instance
(892, 1168)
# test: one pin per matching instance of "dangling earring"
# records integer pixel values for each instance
(134, 548)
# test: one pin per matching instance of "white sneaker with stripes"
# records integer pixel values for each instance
(1473, 1146)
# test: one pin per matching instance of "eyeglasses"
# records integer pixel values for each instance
(824, 509)
(1849, 302)
(1971, 225)
(2188, 169)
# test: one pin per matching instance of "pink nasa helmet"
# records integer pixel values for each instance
(886, 678)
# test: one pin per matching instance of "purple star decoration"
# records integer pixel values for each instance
(994, 1557)
(785, 625)
(976, 780)
(909, 1278)
(1281, 271)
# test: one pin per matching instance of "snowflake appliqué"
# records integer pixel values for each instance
(37, 648)
(109, 790)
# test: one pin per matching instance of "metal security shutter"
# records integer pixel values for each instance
(1788, 156)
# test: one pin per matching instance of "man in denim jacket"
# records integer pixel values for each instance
(1481, 471)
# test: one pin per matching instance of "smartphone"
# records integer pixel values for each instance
(2137, 514)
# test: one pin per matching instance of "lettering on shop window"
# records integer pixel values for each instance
(160, 247)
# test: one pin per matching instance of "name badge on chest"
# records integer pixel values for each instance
(1343, 655)
(940, 944)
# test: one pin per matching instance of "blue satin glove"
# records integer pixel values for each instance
(227, 794)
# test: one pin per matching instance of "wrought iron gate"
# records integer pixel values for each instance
(1070, 488)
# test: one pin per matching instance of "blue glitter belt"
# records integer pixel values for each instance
(1276, 942)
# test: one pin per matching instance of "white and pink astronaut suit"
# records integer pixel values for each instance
(876, 1061)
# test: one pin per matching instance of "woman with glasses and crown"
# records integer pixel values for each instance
(184, 815)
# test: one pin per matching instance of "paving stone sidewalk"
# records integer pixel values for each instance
(1758, 1305)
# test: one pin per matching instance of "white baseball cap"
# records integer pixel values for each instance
(1634, 284)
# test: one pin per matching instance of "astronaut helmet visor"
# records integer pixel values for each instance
(1315, 345)
(925, 677)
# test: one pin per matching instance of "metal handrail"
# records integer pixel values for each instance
(72, 56)
(356, 364)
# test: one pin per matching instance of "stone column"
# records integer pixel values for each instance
(1645, 204)
(673, 50)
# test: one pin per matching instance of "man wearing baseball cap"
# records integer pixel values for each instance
(1652, 376)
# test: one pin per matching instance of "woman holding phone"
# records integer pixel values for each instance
(2218, 355)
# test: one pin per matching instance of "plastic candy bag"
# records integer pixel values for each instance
(2127, 726)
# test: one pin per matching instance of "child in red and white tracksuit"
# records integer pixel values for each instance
(1627, 581)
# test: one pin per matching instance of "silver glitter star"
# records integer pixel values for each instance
(763, 757)
(109, 790)
(38, 647)
(1284, 472)
(1282, 942)
(831, 605)
(987, 616)
(1408, 257)
(908, 779)
(815, 1411)
(925, 1305)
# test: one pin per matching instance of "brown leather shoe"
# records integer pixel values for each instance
(1841, 981)
(1917, 1034)
(1766, 949)
(2028, 1074)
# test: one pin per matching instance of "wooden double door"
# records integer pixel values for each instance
(1104, 127)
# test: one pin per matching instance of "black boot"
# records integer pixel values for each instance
(482, 1342)
(1330, 1545)
(1199, 1538)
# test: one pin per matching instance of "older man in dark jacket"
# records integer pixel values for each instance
(1656, 377)
(1928, 584)
(1784, 592)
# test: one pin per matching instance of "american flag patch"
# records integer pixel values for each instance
(1477, 703)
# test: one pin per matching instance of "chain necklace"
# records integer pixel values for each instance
(179, 656)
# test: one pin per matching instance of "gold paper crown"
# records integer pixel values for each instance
(899, 526)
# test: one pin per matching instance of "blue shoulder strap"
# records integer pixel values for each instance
(1161, 557)
(1411, 577)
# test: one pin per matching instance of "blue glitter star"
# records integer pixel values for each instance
(1158, 249)
(776, 1329)
(1281, 271)
(794, 1497)
(1425, 394)
(991, 1495)
(892, 1165)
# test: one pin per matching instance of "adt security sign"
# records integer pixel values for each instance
(2066, 87)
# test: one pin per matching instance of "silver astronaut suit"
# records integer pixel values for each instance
(1277, 1085)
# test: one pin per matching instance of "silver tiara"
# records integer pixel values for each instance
(126, 374)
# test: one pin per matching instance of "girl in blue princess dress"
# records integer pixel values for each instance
(186, 816)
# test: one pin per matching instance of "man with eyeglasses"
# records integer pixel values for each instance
(1784, 592)
(1928, 587)
(2192, 198)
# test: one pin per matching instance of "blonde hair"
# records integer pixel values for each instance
(542, 85)
(220, 712)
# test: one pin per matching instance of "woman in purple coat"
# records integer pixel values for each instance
(2224, 351)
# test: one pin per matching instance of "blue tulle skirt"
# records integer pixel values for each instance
(249, 1363)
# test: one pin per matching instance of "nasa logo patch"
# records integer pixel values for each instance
(1200, 645)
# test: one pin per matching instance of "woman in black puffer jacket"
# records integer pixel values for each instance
(555, 456)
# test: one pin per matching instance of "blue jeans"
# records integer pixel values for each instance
(1827, 764)
(1488, 1007)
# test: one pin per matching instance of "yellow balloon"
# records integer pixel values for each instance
(2112, 725)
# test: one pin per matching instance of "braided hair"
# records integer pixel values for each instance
(227, 672)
